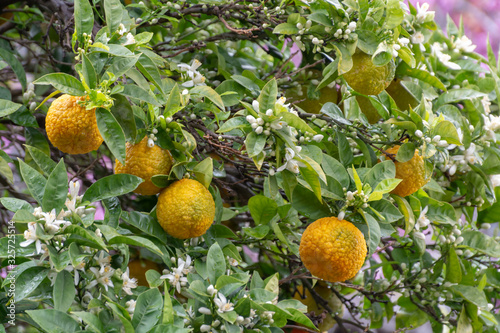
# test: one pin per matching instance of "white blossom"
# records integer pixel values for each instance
(176, 277)
(130, 39)
(52, 224)
(291, 164)
(102, 276)
(437, 50)
(463, 44)
(318, 137)
(103, 259)
(423, 13)
(121, 29)
(204, 310)
(128, 283)
(191, 72)
(495, 180)
(31, 237)
(422, 220)
(131, 306)
(223, 304)
(251, 119)
(418, 37)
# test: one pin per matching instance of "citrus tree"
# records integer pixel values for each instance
(246, 166)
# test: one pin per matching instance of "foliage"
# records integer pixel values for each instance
(205, 80)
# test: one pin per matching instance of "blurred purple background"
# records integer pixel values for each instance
(480, 18)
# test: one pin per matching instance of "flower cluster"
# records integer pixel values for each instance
(260, 126)
(177, 277)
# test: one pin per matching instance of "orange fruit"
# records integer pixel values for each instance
(333, 250)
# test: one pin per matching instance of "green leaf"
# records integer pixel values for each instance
(406, 152)
(286, 29)
(8, 107)
(405, 208)
(204, 171)
(255, 143)
(121, 65)
(6, 171)
(122, 315)
(34, 181)
(464, 324)
(409, 315)
(381, 171)
(345, 152)
(262, 209)
(56, 189)
(394, 14)
(296, 122)
(134, 91)
(385, 186)
(84, 19)
(14, 204)
(458, 95)
(209, 93)
(306, 203)
(41, 159)
(112, 133)
(268, 95)
(168, 310)
(90, 319)
(481, 242)
(54, 321)
(114, 11)
(87, 234)
(147, 224)
(453, 267)
(233, 123)
(472, 294)
(424, 76)
(447, 131)
(147, 310)
(89, 73)
(64, 291)
(16, 66)
(247, 83)
(148, 68)
(28, 280)
(336, 170)
(65, 83)
(114, 237)
(216, 263)
(374, 233)
(124, 114)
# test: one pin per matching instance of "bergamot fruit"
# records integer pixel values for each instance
(368, 109)
(185, 209)
(367, 78)
(333, 250)
(403, 98)
(145, 162)
(334, 303)
(411, 172)
(70, 127)
(138, 269)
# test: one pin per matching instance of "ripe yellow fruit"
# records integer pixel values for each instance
(367, 78)
(70, 127)
(145, 162)
(185, 209)
(304, 295)
(333, 250)
(411, 172)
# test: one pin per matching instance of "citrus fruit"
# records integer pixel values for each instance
(145, 162)
(314, 104)
(368, 109)
(138, 269)
(70, 127)
(411, 172)
(185, 209)
(304, 295)
(333, 250)
(403, 98)
(367, 78)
